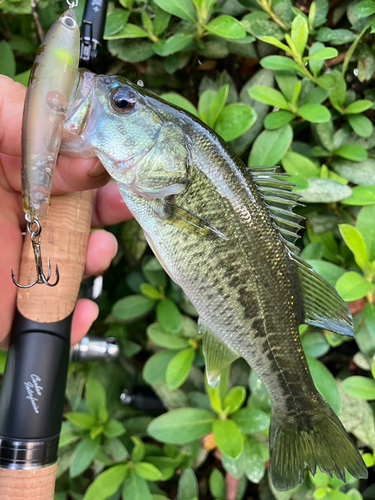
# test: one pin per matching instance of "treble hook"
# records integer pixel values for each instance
(35, 241)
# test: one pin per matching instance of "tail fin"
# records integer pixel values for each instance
(319, 441)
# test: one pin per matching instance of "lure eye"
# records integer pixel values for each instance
(68, 22)
(122, 100)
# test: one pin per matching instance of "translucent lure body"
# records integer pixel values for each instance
(50, 84)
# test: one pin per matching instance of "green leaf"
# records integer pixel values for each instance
(116, 21)
(132, 307)
(359, 387)
(361, 125)
(154, 273)
(279, 63)
(178, 368)
(228, 438)
(180, 8)
(133, 50)
(180, 101)
(234, 120)
(158, 336)
(351, 152)
(352, 286)
(138, 451)
(136, 488)
(326, 81)
(325, 383)
(259, 25)
(217, 485)
(181, 426)
(324, 191)
(150, 292)
(269, 96)
(314, 344)
(355, 242)
(234, 399)
(362, 173)
(365, 225)
(173, 44)
(296, 164)
(161, 20)
(82, 420)
(169, 316)
(315, 65)
(337, 96)
(300, 33)
(96, 400)
(277, 119)
(254, 461)
(322, 54)
(7, 60)
(361, 195)
(358, 107)
(83, 455)
(156, 366)
(22, 78)
(217, 105)
(329, 271)
(128, 31)
(113, 428)
(250, 420)
(147, 471)
(315, 113)
(187, 486)
(369, 313)
(226, 27)
(107, 483)
(366, 8)
(274, 41)
(270, 146)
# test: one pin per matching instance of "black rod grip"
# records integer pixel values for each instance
(33, 389)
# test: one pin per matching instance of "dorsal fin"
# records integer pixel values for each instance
(277, 194)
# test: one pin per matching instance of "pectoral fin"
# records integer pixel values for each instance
(191, 222)
(216, 354)
(322, 305)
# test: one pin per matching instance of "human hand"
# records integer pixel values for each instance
(70, 175)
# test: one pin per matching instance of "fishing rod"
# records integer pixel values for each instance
(33, 388)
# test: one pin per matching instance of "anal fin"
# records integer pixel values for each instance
(216, 354)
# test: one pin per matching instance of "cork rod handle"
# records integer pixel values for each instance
(37, 484)
(64, 238)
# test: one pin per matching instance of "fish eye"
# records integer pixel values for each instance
(69, 22)
(122, 99)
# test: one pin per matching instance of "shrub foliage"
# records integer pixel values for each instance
(287, 84)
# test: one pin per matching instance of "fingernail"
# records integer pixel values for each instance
(97, 170)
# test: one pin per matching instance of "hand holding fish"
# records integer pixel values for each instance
(70, 175)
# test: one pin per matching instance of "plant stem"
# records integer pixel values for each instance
(267, 8)
(353, 47)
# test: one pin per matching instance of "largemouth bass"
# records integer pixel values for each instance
(226, 235)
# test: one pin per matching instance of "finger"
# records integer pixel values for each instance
(71, 174)
(109, 207)
(10, 257)
(12, 96)
(101, 249)
(84, 315)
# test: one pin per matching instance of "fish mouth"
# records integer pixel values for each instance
(77, 114)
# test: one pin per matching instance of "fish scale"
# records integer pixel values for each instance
(226, 237)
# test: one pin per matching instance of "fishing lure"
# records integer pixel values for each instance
(50, 84)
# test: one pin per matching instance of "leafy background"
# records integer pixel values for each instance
(284, 83)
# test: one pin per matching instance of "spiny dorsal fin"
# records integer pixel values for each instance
(277, 194)
(322, 305)
(217, 355)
